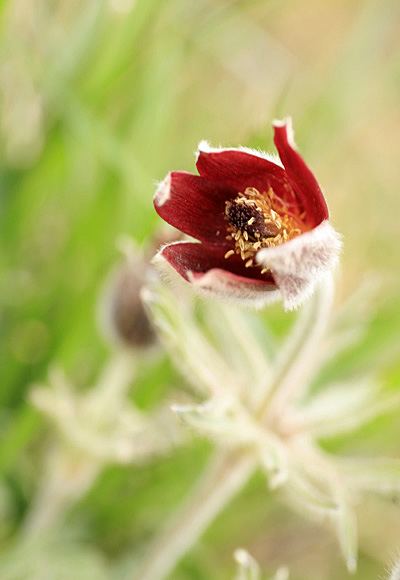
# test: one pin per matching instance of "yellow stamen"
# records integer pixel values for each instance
(260, 220)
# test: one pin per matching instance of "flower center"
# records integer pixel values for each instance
(255, 223)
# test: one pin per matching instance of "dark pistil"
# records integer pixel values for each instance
(247, 218)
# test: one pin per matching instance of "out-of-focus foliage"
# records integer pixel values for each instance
(99, 99)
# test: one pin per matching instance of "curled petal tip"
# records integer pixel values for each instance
(287, 126)
(205, 146)
(285, 122)
(202, 147)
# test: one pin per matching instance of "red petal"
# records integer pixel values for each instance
(195, 206)
(240, 170)
(190, 260)
(301, 178)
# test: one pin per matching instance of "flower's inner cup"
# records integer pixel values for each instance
(259, 220)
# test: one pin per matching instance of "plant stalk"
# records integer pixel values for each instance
(226, 475)
(230, 470)
(300, 354)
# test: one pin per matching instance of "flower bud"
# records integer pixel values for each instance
(122, 315)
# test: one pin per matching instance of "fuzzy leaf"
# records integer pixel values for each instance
(213, 420)
(185, 339)
(381, 474)
(308, 498)
(342, 408)
(347, 532)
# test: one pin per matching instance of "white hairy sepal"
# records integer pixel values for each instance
(299, 264)
(248, 567)
(250, 570)
(217, 284)
(319, 498)
(204, 147)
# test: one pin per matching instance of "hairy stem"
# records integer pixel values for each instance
(224, 478)
(229, 470)
(300, 356)
(66, 478)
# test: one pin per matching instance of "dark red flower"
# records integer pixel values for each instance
(262, 223)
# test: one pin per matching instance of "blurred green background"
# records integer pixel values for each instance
(99, 99)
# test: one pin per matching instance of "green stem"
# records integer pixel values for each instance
(299, 356)
(224, 478)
